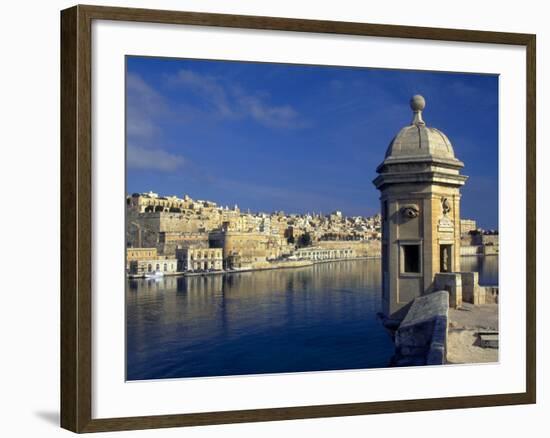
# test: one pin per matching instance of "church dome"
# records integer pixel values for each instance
(417, 140)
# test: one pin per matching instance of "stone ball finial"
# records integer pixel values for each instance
(418, 103)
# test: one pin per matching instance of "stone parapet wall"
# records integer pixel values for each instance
(437, 353)
(421, 337)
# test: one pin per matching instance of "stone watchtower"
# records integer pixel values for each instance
(419, 183)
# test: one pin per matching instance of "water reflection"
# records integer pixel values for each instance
(307, 319)
(486, 266)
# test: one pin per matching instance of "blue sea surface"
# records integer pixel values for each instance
(321, 317)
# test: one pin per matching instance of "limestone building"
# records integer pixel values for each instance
(199, 259)
(142, 266)
(467, 225)
(241, 250)
(140, 254)
(419, 182)
(134, 255)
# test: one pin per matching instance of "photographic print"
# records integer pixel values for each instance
(296, 218)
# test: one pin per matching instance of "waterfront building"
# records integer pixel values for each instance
(249, 239)
(137, 254)
(140, 254)
(199, 259)
(419, 182)
(139, 267)
(361, 248)
(241, 249)
(317, 253)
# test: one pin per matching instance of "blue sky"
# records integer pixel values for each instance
(297, 138)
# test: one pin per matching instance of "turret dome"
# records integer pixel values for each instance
(420, 154)
(417, 141)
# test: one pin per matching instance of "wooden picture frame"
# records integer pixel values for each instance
(76, 217)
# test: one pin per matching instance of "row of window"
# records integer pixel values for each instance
(132, 255)
(204, 264)
(157, 268)
(327, 252)
(205, 256)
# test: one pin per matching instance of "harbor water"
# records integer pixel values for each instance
(317, 318)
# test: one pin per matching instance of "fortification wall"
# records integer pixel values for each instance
(470, 250)
(421, 338)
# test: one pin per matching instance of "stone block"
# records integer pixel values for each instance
(452, 283)
(490, 294)
(471, 292)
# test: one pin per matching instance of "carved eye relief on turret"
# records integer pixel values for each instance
(445, 205)
(410, 211)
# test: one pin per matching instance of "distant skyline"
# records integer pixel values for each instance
(243, 209)
(301, 139)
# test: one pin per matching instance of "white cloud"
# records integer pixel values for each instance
(144, 107)
(233, 101)
(274, 116)
(139, 124)
(143, 95)
(144, 158)
(207, 87)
